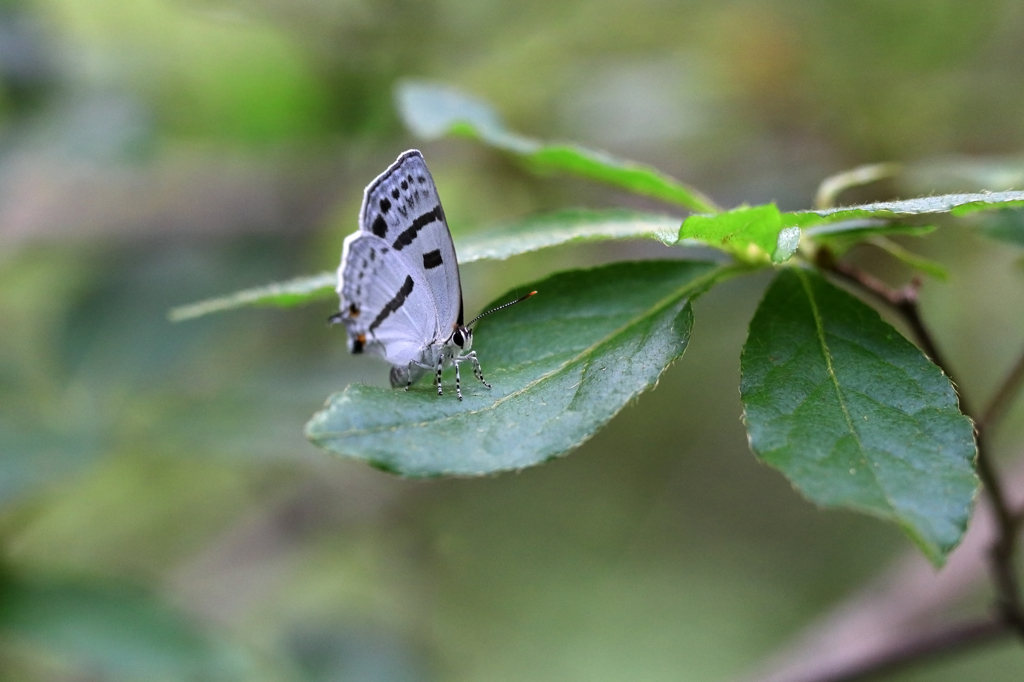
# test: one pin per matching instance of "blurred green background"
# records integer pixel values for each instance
(162, 516)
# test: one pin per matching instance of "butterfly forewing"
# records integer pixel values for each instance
(402, 208)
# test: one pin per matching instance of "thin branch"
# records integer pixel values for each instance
(1004, 396)
(896, 602)
(1004, 549)
(911, 651)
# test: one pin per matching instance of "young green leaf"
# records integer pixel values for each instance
(531, 234)
(750, 233)
(432, 111)
(854, 414)
(561, 365)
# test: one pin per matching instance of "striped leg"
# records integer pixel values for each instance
(440, 366)
(458, 382)
(477, 371)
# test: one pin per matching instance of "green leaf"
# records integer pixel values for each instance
(911, 259)
(957, 204)
(854, 414)
(842, 235)
(750, 233)
(293, 292)
(500, 243)
(566, 227)
(432, 111)
(561, 365)
(834, 185)
(114, 631)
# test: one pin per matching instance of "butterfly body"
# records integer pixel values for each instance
(401, 296)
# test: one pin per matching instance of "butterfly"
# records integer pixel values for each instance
(401, 296)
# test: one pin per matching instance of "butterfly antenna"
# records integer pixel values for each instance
(501, 307)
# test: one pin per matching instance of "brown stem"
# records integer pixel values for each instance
(910, 651)
(1004, 396)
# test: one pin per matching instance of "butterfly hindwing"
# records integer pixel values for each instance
(402, 208)
(386, 308)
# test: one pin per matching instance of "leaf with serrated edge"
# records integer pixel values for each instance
(566, 227)
(957, 204)
(854, 414)
(561, 365)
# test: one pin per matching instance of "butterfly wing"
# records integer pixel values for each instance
(402, 208)
(386, 308)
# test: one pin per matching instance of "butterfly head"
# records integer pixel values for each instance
(462, 337)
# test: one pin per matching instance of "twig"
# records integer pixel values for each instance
(914, 650)
(897, 601)
(1004, 396)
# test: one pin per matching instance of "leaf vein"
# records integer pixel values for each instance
(820, 331)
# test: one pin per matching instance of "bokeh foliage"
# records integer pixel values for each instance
(159, 152)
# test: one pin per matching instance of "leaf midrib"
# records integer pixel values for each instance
(692, 285)
(820, 330)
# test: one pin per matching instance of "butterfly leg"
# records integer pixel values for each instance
(458, 381)
(477, 371)
(440, 366)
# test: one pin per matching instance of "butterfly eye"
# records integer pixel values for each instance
(458, 338)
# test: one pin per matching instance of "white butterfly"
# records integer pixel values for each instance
(401, 297)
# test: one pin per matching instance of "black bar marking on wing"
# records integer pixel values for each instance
(432, 259)
(380, 227)
(394, 304)
(418, 224)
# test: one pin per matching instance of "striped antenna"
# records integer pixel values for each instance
(500, 307)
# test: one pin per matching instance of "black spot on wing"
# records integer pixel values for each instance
(432, 259)
(405, 185)
(385, 205)
(394, 304)
(380, 227)
(358, 343)
(395, 193)
(418, 224)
